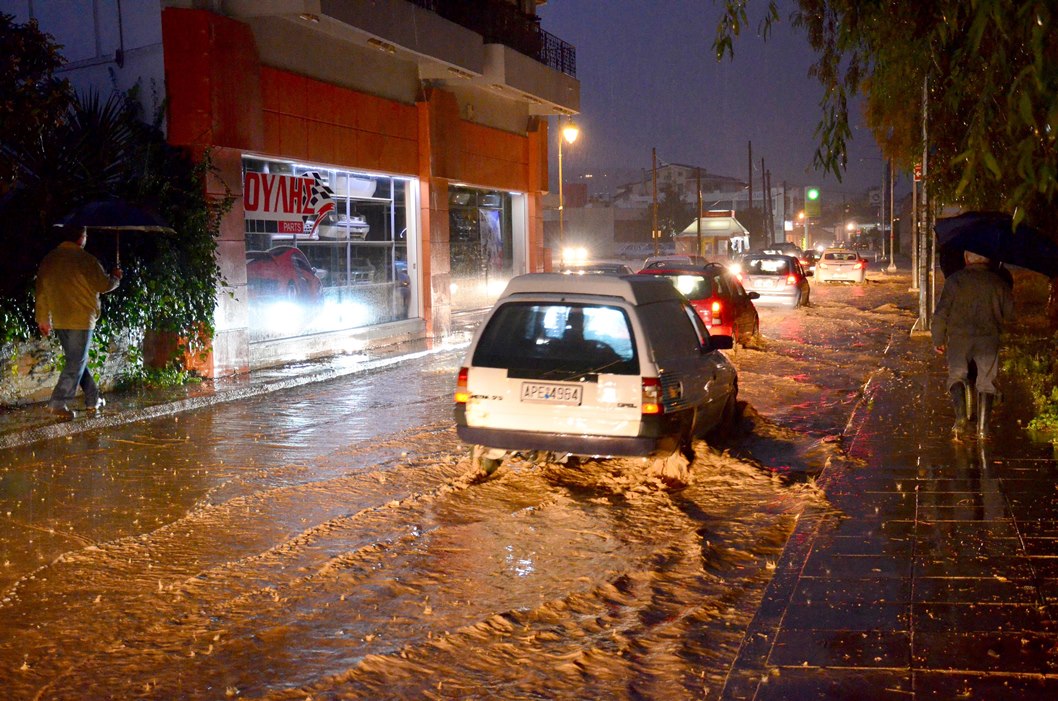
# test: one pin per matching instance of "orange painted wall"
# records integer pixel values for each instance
(220, 95)
(212, 80)
(315, 121)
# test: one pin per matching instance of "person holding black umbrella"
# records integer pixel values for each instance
(69, 282)
(973, 306)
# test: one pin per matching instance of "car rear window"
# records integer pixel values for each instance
(559, 337)
(692, 286)
(840, 256)
(767, 266)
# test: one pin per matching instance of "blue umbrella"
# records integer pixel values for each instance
(117, 216)
(992, 234)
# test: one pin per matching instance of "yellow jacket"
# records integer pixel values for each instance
(69, 282)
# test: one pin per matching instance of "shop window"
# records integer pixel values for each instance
(481, 250)
(326, 250)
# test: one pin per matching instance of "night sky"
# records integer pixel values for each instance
(648, 78)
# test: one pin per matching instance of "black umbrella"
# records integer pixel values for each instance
(117, 216)
(991, 234)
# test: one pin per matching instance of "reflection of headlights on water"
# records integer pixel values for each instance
(574, 254)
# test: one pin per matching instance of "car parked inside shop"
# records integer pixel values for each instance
(778, 279)
(343, 227)
(282, 272)
(593, 365)
(841, 265)
(718, 297)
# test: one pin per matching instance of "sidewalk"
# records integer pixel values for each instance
(934, 573)
(24, 425)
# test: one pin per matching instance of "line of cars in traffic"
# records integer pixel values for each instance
(598, 361)
(780, 274)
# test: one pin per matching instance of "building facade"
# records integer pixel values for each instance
(680, 179)
(387, 157)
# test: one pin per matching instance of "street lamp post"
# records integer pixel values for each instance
(569, 134)
(892, 224)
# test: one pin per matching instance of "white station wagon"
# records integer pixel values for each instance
(592, 365)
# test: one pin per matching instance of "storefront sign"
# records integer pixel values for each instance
(295, 203)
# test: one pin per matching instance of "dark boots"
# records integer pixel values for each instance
(959, 395)
(984, 413)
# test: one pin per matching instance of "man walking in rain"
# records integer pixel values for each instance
(973, 306)
(69, 282)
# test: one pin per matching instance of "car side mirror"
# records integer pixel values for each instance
(720, 341)
(753, 295)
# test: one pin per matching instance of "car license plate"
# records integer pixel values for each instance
(551, 393)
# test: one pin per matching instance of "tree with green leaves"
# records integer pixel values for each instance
(32, 99)
(72, 149)
(673, 212)
(991, 71)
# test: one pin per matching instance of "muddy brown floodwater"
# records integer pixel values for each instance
(327, 541)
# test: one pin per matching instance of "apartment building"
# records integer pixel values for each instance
(388, 157)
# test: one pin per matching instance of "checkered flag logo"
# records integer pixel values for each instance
(316, 202)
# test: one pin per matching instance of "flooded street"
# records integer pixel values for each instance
(328, 541)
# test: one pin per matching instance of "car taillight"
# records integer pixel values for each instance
(462, 395)
(715, 309)
(791, 279)
(651, 403)
(858, 266)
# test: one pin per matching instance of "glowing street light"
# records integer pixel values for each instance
(569, 132)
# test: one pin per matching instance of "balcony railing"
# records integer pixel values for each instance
(502, 23)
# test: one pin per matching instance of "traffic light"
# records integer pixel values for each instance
(812, 203)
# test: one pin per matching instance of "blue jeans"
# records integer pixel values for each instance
(75, 343)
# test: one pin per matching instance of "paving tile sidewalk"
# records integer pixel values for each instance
(934, 572)
(26, 424)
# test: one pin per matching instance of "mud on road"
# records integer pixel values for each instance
(328, 542)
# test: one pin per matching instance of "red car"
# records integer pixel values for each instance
(717, 296)
(282, 271)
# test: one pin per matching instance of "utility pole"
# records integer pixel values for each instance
(881, 210)
(785, 211)
(654, 233)
(750, 179)
(771, 207)
(764, 202)
(892, 219)
(698, 219)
